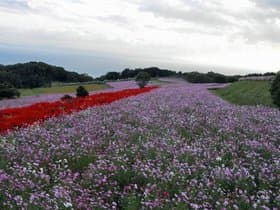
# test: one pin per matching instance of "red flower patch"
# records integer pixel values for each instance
(24, 116)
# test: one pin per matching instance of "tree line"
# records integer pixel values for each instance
(260, 74)
(210, 77)
(194, 77)
(37, 74)
(132, 73)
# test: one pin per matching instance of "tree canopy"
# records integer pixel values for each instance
(142, 79)
(210, 77)
(37, 74)
(131, 73)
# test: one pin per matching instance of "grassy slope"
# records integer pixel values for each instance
(158, 82)
(247, 93)
(61, 89)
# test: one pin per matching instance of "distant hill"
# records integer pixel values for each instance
(37, 74)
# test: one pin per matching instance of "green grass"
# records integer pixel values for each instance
(247, 93)
(61, 89)
(158, 82)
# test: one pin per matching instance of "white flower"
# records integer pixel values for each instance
(68, 204)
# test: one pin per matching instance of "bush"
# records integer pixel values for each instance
(275, 90)
(66, 97)
(7, 91)
(142, 79)
(81, 91)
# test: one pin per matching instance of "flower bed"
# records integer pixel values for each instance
(177, 147)
(29, 100)
(18, 117)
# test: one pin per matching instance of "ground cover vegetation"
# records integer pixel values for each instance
(175, 147)
(22, 116)
(247, 92)
(62, 88)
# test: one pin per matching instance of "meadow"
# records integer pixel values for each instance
(178, 146)
(66, 88)
(247, 93)
(61, 88)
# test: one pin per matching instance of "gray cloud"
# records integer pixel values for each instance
(14, 4)
(197, 14)
(261, 25)
(274, 4)
(211, 18)
(116, 19)
(261, 32)
(203, 32)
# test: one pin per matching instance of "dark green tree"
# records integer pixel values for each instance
(38, 74)
(127, 73)
(275, 89)
(142, 79)
(112, 76)
(81, 91)
(7, 91)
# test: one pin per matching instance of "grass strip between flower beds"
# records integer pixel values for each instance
(23, 116)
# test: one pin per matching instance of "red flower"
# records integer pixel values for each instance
(19, 117)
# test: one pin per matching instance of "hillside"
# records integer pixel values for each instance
(37, 74)
(247, 93)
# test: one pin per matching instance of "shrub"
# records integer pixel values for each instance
(81, 91)
(275, 90)
(66, 97)
(142, 79)
(6, 91)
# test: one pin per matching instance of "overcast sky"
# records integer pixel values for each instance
(96, 36)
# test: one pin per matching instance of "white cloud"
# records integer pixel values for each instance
(239, 34)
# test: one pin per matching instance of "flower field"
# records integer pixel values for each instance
(175, 147)
(23, 116)
(29, 100)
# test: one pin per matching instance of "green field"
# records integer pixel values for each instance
(247, 93)
(158, 82)
(61, 89)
